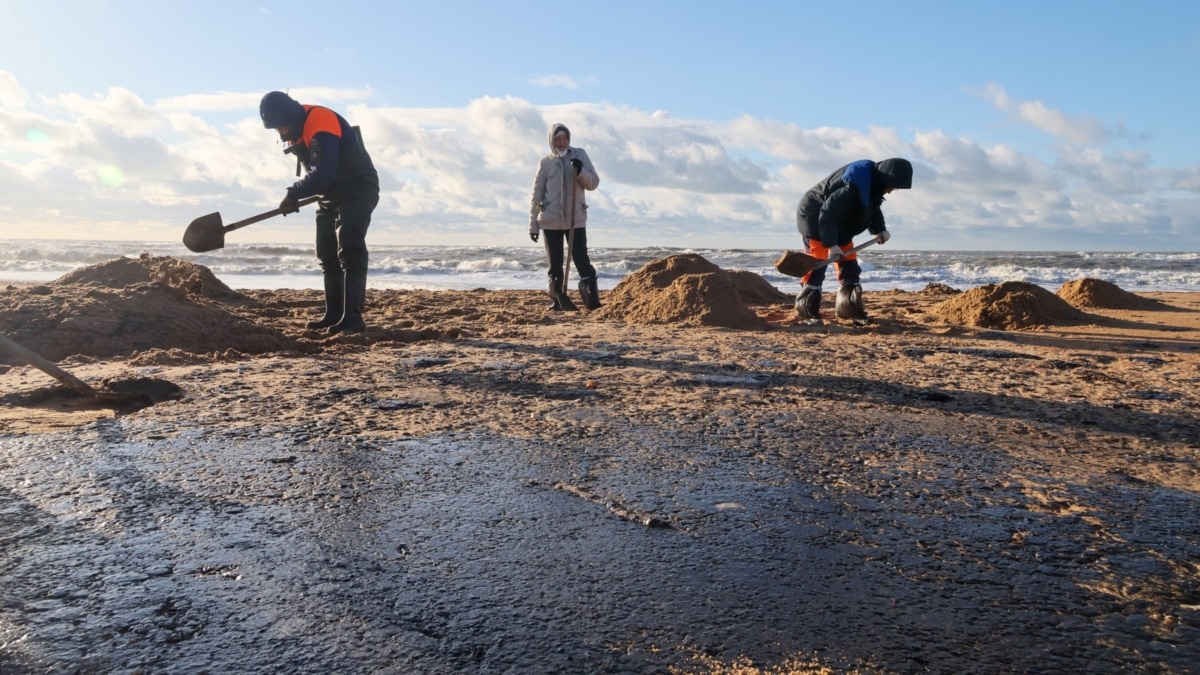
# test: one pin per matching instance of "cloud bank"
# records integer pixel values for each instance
(114, 166)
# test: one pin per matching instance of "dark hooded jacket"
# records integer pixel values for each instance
(331, 151)
(848, 201)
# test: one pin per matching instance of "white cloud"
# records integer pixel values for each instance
(12, 95)
(554, 82)
(1079, 129)
(89, 167)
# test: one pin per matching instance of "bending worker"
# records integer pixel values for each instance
(844, 205)
(338, 169)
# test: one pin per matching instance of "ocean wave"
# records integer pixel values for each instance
(524, 267)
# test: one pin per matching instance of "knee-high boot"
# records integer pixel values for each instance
(335, 299)
(589, 290)
(352, 319)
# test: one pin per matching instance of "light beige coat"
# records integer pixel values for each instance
(556, 189)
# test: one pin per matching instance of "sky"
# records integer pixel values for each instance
(1055, 125)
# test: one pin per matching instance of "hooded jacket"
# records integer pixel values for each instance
(848, 201)
(330, 150)
(557, 196)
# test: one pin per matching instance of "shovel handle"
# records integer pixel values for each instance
(870, 242)
(269, 214)
(47, 367)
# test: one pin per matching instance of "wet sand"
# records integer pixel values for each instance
(685, 481)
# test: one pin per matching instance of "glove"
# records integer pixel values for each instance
(835, 253)
(578, 166)
(883, 236)
(289, 205)
(533, 236)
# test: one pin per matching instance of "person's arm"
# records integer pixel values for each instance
(536, 199)
(587, 176)
(877, 224)
(325, 147)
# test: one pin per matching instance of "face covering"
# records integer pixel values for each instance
(562, 153)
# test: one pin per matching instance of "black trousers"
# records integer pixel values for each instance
(342, 234)
(555, 240)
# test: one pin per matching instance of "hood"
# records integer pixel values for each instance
(896, 173)
(277, 109)
(554, 129)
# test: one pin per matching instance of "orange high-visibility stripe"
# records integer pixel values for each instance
(319, 120)
(819, 251)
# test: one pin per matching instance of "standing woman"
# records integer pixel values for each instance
(558, 206)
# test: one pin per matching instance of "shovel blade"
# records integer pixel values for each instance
(206, 233)
(796, 263)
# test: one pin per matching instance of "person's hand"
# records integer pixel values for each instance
(835, 253)
(533, 236)
(289, 205)
(883, 236)
(578, 165)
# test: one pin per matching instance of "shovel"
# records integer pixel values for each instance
(207, 234)
(799, 263)
(73, 383)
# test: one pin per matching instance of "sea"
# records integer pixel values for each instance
(270, 266)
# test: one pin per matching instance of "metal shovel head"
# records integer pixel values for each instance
(206, 233)
(796, 263)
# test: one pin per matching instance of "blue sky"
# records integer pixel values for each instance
(1056, 125)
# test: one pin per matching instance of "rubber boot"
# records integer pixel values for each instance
(850, 304)
(808, 305)
(589, 291)
(352, 320)
(335, 299)
(560, 299)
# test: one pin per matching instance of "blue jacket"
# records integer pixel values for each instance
(848, 201)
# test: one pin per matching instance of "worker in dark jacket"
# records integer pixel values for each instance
(830, 215)
(339, 170)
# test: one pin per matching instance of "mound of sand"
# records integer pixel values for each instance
(691, 291)
(125, 306)
(189, 279)
(1012, 305)
(1097, 294)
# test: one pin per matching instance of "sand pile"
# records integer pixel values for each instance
(690, 291)
(1094, 293)
(193, 281)
(1012, 305)
(125, 306)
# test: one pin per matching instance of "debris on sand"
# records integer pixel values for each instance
(689, 290)
(1012, 305)
(1098, 294)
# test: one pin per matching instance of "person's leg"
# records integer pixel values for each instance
(553, 240)
(849, 303)
(808, 302)
(331, 268)
(589, 290)
(354, 217)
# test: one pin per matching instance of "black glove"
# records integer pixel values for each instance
(533, 236)
(289, 205)
(578, 166)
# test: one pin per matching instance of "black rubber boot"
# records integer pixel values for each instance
(808, 305)
(561, 301)
(352, 320)
(335, 298)
(589, 291)
(850, 304)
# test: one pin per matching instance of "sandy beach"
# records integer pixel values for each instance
(688, 480)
